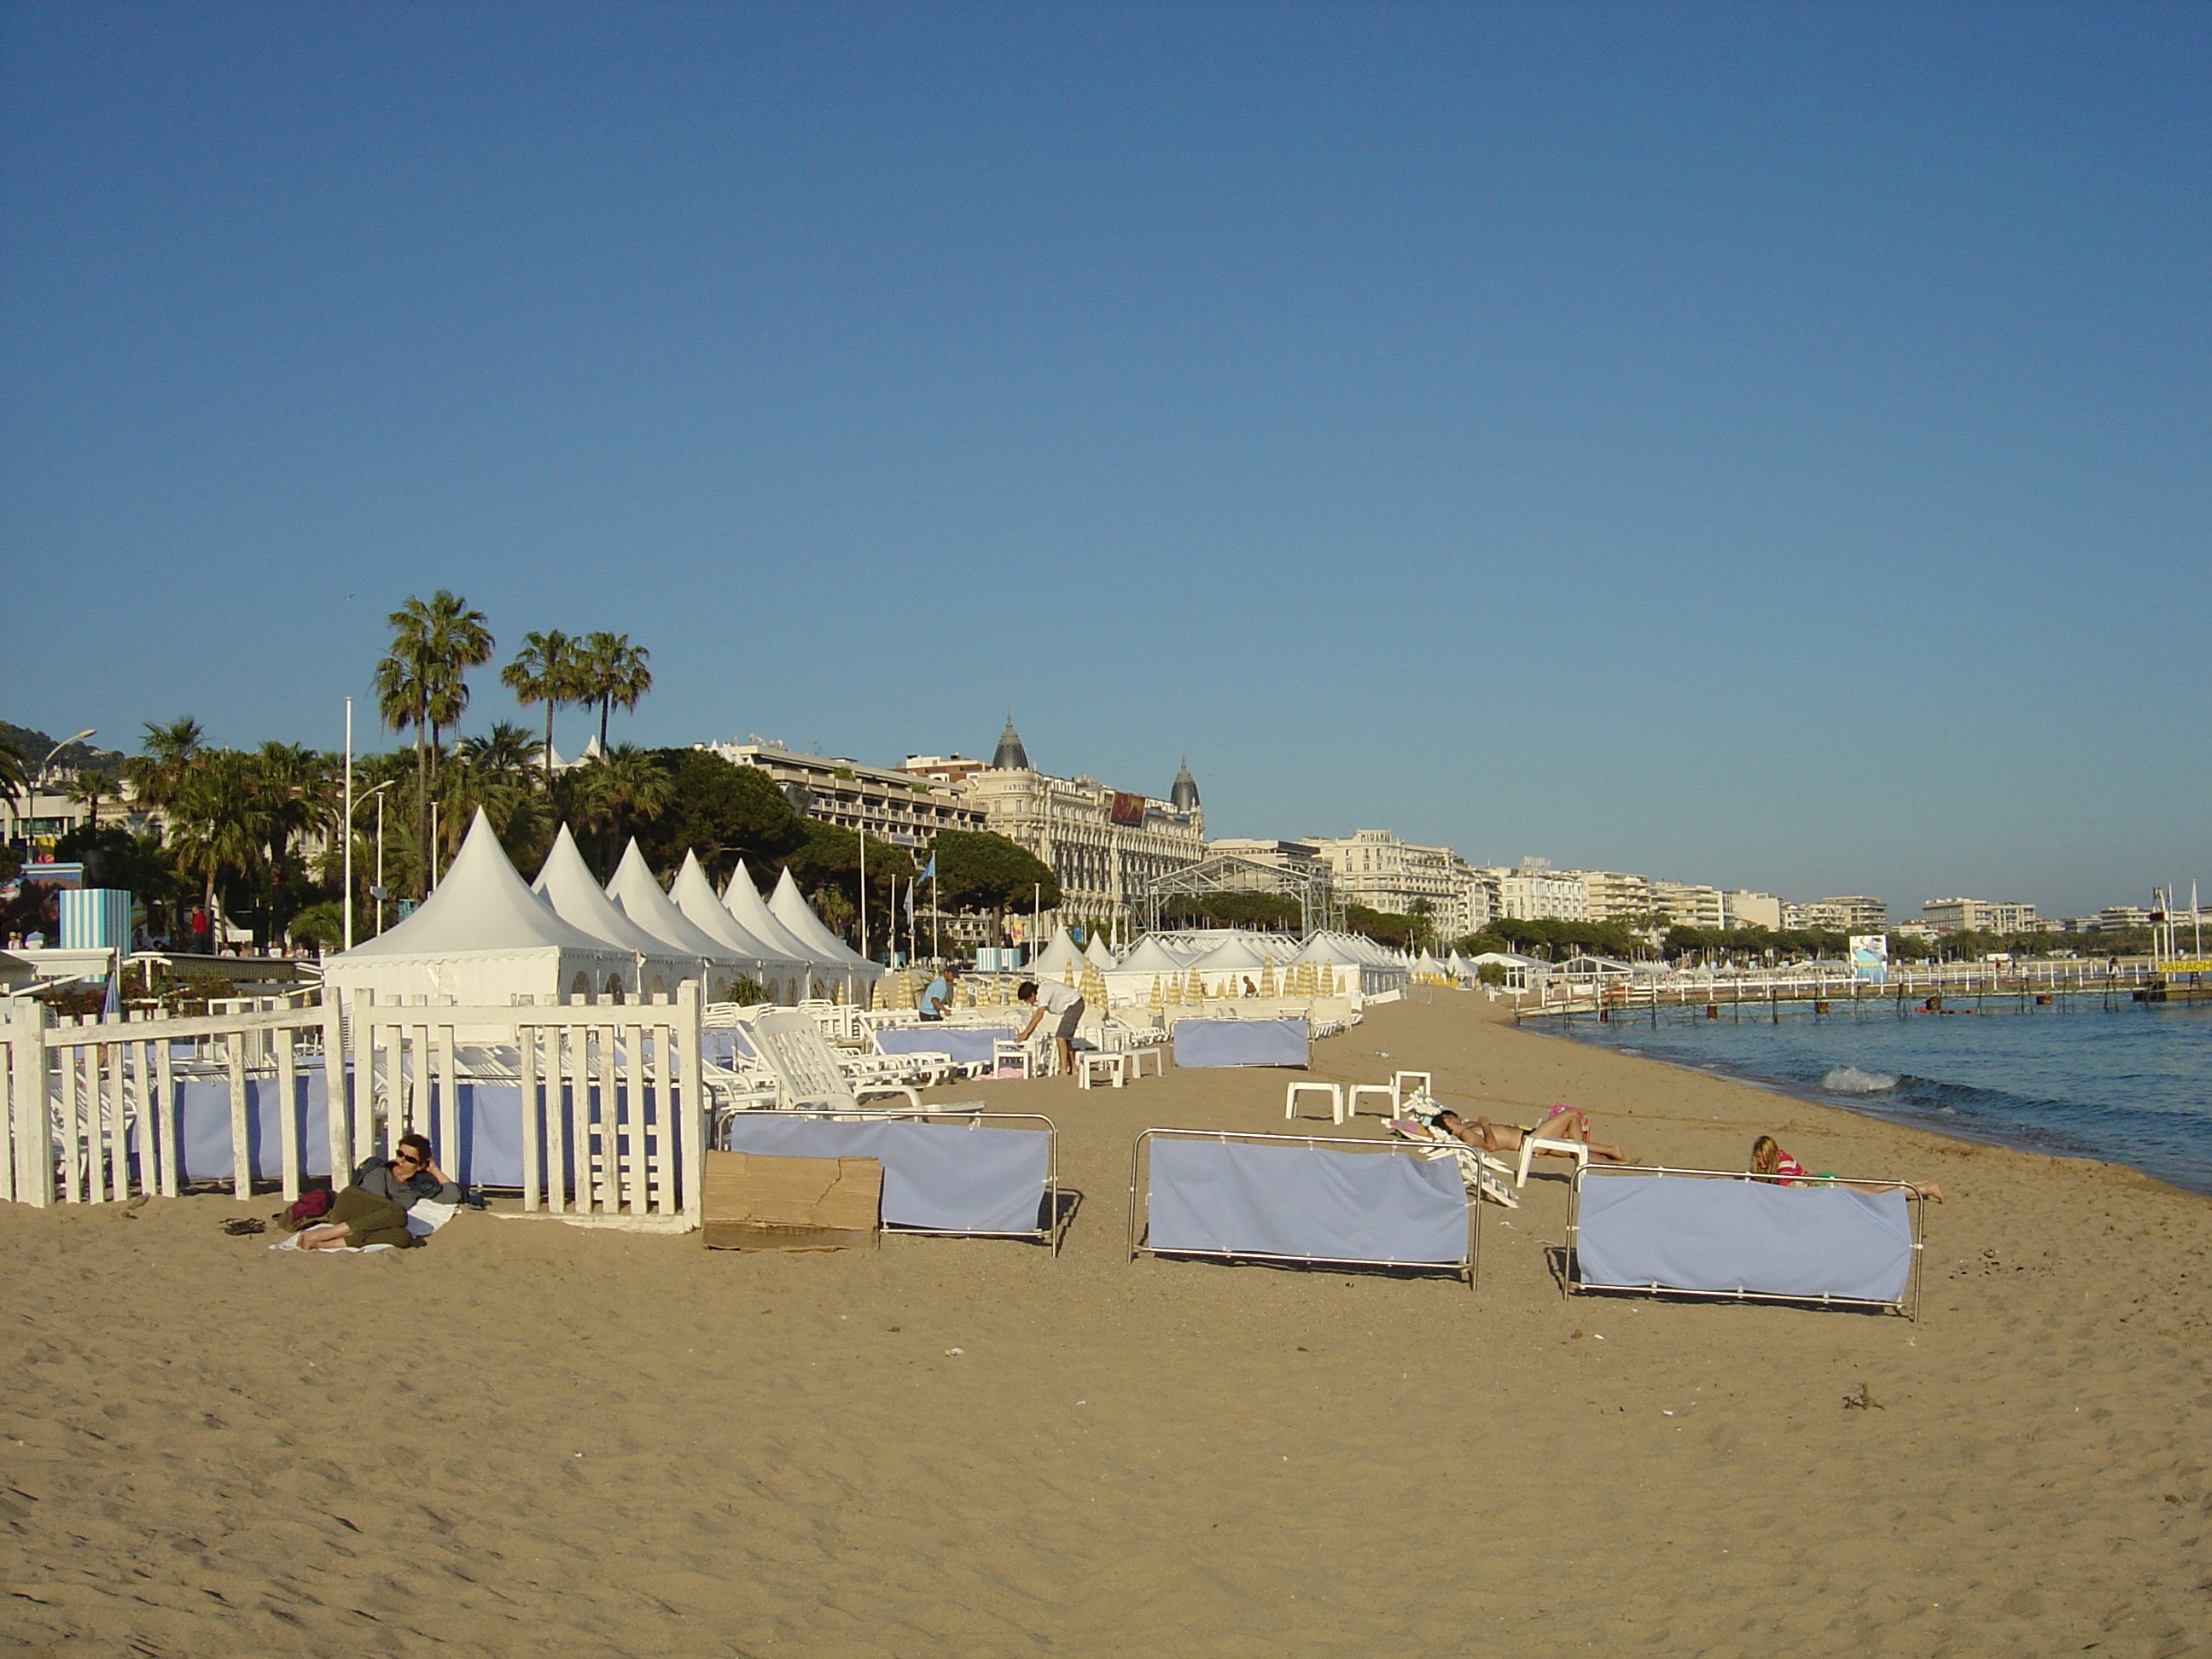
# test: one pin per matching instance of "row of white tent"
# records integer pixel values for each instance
(1226, 960)
(484, 938)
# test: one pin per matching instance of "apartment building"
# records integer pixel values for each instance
(1614, 895)
(1968, 916)
(1536, 892)
(1374, 868)
(1689, 905)
(1748, 909)
(881, 802)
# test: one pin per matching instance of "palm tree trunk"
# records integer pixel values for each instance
(606, 705)
(549, 741)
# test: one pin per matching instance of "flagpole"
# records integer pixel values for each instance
(863, 892)
(345, 830)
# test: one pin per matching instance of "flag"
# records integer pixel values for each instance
(930, 874)
(909, 901)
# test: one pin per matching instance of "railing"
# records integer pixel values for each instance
(95, 1108)
(1559, 996)
(609, 1100)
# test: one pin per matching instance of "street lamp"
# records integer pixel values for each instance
(376, 795)
(39, 778)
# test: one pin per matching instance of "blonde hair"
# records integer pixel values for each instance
(1765, 1155)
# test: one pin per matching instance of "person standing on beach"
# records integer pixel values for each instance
(937, 995)
(1050, 999)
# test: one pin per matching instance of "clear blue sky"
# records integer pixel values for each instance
(1755, 443)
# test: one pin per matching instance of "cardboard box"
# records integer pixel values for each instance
(752, 1202)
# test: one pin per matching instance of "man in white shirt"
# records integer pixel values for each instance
(1050, 999)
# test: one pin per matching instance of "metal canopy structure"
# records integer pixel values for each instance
(1319, 908)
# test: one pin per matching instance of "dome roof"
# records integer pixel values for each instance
(1011, 756)
(1184, 796)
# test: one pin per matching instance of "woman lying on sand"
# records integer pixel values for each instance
(1566, 1123)
(1767, 1158)
(374, 1210)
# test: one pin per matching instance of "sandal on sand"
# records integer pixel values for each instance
(240, 1226)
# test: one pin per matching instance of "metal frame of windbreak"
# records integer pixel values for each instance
(1050, 1234)
(1139, 1204)
(1571, 1280)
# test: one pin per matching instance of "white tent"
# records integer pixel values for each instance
(1057, 958)
(1151, 957)
(567, 884)
(640, 898)
(1096, 953)
(482, 938)
(774, 969)
(743, 900)
(803, 924)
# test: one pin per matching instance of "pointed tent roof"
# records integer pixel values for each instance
(1096, 953)
(690, 893)
(567, 884)
(1329, 949)
(641, 900)
(803, 924)
(1233, 955)
(1058, 957)
(1151, 957)
(743, 900)
(482, 905)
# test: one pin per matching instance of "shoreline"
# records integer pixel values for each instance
(642, 1447)
(1815, 1094)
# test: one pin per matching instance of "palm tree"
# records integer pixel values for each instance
(509, 751)
(421, 682)
(171, 751)
(546, 670)
(288, 785)
(605, 800)
(217, 822)
(615, 672)
(88, 789)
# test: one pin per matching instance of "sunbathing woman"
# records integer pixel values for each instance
(1767, 1158)
(374, 1210)
(1566, 1123)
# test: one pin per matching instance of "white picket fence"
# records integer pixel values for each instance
(611, 1098)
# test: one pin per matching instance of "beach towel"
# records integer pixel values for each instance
(425, 1218)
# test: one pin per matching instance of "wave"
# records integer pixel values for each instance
(1850, 1080)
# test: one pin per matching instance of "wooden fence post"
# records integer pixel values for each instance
(28, 1106)
(691, 1088)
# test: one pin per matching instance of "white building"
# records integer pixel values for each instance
(890, 803)
(1614, 895)
(1104, 846)
(1970, 916)
(1689, 905)
(1533, 891)
(1374, 868)
(1749, 909)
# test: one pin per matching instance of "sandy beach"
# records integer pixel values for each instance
(531, 1438)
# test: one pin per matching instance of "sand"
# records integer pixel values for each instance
(533, 1439)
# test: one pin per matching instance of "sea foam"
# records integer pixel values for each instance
(1850, 1080)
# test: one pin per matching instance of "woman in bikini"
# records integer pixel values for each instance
(1767, 1158)
(1565, 1123)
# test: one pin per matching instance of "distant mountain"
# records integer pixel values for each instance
(73, 757)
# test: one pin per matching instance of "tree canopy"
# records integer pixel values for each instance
(724, 811)
(977, 870)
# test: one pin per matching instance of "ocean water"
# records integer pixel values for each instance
(2127, 1084)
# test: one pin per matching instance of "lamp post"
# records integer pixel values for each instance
(39, 778)
(376, 795)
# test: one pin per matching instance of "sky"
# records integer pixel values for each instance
(1757, 445)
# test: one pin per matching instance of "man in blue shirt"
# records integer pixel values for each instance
(937, 995)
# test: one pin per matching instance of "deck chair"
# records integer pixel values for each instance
(1532, 1145)
(791, 1045)
(1484, 1173)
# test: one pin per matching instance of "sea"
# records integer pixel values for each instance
(2128, 1083)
